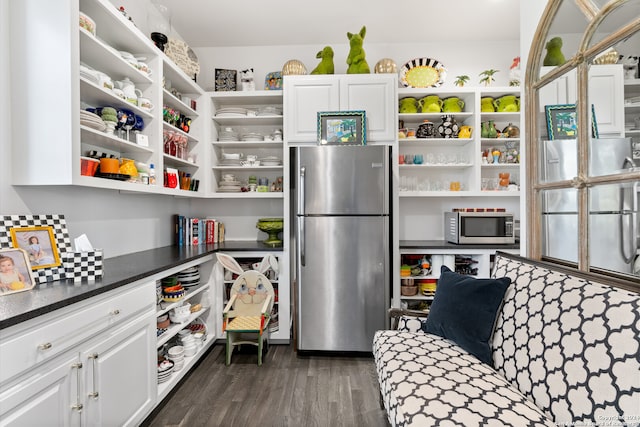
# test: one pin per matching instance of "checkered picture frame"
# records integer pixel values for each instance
(61, 235)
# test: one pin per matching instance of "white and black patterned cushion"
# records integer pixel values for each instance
(411, 323)
(570, 345)
(426, 380)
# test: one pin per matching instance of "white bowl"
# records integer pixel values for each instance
(184, 333)
(179, 318)
(176, 350)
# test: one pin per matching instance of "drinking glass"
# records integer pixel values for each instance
(418, 159)
(431, 159)
(408, 159)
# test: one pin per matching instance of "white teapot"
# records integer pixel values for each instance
(129, 88)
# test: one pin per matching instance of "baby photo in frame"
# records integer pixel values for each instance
(39, 243)
(15, 271)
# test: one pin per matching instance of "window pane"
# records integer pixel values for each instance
(558, 160)
(614, 227)
(617, 19)
(609, 156)
(560, 224)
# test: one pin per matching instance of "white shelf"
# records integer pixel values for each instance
(417, 298)
(249, 195)
(110, 142)
(170, 160)
(247, 168)
(266, 120)
(434, 117)
(247, 144)
(165, 387)
(172, 101)
(408, 194)
(501, 116)
(167, 126)
(165, 307)
(174, 328)
(498, 140)
(247, 98)
(95, 95)
(501, 166)
(436, 166)
(434, 142)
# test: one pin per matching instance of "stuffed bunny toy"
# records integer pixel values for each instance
(356, 59)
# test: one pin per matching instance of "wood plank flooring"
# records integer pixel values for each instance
(287, 390)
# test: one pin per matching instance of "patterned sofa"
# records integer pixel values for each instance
(565, 351)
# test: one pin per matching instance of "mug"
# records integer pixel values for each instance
(108, 165)
(104, 81)
(145, 103)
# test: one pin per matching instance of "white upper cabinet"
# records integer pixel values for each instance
(305, 96)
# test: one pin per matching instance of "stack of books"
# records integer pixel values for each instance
(198, 231)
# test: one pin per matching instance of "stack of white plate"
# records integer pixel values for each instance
(252, 136)
(228, 134)
(190, 277)
(89, 73)
(92, 120)
(165, 369)
(231, 112)
(271, 161)
(176, 355)
(230, 187)
(230, 162)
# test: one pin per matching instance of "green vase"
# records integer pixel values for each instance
(484, 130)
(492, 132)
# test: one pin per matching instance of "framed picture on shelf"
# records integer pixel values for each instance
(562, 121)
(39, 244)
(225, 80)
(342, 127)
(15, 271)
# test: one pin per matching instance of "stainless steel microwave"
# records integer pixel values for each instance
(479, 227)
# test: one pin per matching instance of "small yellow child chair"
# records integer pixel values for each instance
(247, 314)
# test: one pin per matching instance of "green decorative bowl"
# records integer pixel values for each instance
(273, 227)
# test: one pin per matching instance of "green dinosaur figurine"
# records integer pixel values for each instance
(326, 64)
(554, 54)
(356, 59)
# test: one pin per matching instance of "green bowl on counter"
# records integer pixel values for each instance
(273, 227)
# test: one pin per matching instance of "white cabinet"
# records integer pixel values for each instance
(606, 85)
(632, 114)
(280, 324)
(308, 95)
(119, 361)
(86, 355)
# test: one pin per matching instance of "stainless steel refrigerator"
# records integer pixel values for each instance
(342, 246)
(613, 219)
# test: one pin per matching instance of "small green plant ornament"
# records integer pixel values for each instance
(356, 58)
(554, 54)
(461, 80)
(487, 77)
(326, 64)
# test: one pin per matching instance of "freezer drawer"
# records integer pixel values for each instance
(342, 282)
(342, 180)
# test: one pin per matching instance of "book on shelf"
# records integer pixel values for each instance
(197, 231)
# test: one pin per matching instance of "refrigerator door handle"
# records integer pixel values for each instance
(301, 240)
(624, 214)
(301, 189)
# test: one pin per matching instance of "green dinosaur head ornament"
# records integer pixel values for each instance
(326, 64)
(356, 58)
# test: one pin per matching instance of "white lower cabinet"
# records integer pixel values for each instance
(119, 373)
(109, 379)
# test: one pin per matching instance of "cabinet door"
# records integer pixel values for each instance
(560, 91)
(376, 95)
(44, 396)
(120, 382)
(305, 97)
(606, 92)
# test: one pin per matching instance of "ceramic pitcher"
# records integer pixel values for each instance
(431, 104)
(486, 105)
(453, 105)
(129, 88)
(408, 105)
(507, 104)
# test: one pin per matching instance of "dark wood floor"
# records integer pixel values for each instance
(287, 390)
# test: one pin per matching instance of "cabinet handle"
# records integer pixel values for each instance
(115, 312)
(78, 406)
(45, 346)
(94, 393)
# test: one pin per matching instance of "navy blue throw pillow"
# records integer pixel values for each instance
(464, 311)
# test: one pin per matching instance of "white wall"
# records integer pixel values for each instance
(124, 223)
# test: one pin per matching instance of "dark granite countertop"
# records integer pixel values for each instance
(441, 244)
(118, 271)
